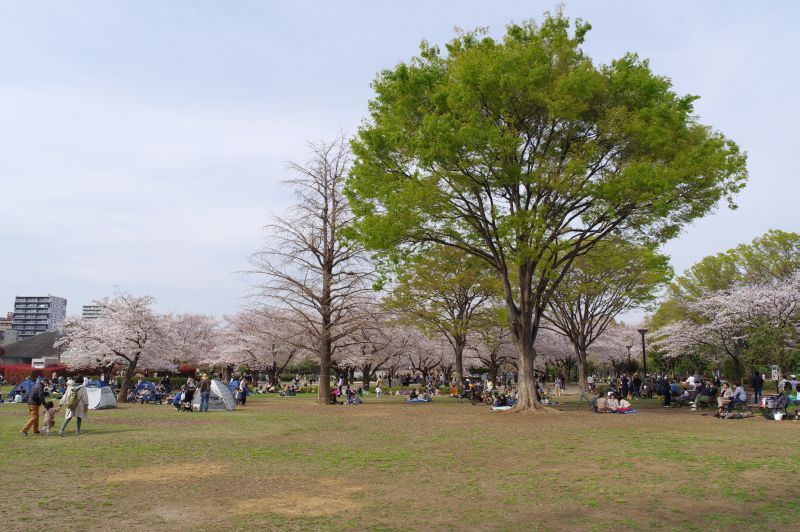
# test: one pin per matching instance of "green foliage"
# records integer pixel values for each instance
(525, 154)
(531, 116)
(307, 366)
(442, 289)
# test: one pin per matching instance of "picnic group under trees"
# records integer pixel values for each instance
(504, 202)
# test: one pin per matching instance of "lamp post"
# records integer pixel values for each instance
(644, 353)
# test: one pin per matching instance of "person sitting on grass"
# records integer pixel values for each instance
(624, 406)
(501, 400)
(427, 395)
(738, 396)
(413, 395)
(334, 397)
(612, 404)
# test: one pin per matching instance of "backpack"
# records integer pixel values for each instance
(74, 401)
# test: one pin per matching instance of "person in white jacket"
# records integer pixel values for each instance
(81, 404)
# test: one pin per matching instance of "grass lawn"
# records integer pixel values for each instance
(286, 463)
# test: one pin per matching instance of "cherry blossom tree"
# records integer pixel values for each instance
(370, 348)
(128, 334)
(189, 338)
(425, 353)
(727, 319)
(493, 348)
(259, 339)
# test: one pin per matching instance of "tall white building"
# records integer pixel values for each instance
(90, 312)
(35, 315)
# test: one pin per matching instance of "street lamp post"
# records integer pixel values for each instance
(644, 353)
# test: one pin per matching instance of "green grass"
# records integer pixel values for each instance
(286, 463)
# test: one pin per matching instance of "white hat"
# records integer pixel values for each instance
(794, 376)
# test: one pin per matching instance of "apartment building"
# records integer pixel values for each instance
(37, 314)
(90, 312)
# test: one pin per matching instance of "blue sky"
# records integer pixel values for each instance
(143, 143)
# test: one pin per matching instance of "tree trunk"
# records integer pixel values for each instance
(325, 373)
(459, 357)
(272, 374)
(366, 376)
(122, 394)
(580, 356)
(527, 398)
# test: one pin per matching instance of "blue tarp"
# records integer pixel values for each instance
(98, 384)
(233, 386)
(177, 401)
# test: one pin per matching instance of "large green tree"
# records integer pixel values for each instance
(445, 291)
(524, 153)
(616, 275)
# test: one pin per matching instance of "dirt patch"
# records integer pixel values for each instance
(167, 473)
(297, 503)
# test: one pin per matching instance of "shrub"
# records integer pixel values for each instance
(15, 373)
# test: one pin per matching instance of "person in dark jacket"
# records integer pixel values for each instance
(35, 400)
(758, 384)
(666, 391)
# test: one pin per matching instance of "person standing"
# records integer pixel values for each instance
(205, 392)
(758, 385)
(35, 400)
(243, 391)
(77, 402)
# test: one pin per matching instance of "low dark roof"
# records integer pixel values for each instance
(37, 346)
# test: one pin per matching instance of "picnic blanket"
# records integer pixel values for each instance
(418, 400)
(502, 408)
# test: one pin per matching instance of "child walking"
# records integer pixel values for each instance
(50, 412)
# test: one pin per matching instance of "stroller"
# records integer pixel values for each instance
(774, 407)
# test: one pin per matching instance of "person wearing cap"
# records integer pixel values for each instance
(205, 392)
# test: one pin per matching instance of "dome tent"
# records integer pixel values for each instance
(221, 398)
(101, 397)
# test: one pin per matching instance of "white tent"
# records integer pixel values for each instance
(220, 398)
(101, 397)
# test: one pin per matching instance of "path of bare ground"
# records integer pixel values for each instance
(289, 464)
